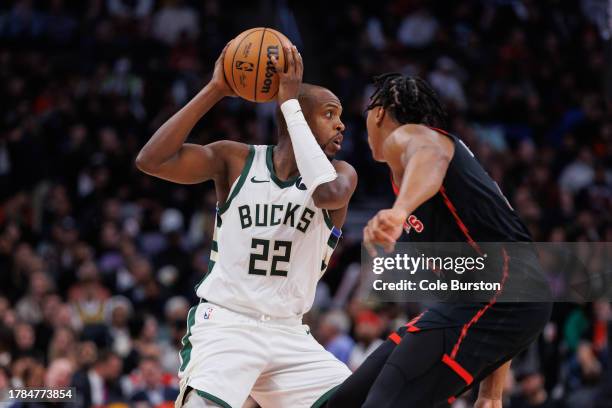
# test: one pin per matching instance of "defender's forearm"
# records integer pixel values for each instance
(422, 179)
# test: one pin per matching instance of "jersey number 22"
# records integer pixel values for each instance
(282, 251)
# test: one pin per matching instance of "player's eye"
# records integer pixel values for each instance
(328, 114)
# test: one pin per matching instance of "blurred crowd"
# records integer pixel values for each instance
(98, 261)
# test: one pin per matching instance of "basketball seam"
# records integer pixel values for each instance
(257, 69)
(234, 59)
(284, 58)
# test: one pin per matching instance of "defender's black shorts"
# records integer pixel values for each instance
(441, 353)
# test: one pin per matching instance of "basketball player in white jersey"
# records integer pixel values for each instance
(280, 209)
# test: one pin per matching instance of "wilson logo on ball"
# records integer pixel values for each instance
(247, 63)
(270, 70)
(244, 66)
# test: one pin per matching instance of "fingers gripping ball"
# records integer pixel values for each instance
(248, 65)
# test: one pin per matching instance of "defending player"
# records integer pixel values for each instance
(449, 198)
(279, 213)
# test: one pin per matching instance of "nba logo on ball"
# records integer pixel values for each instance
(208, 313)
(244, 66)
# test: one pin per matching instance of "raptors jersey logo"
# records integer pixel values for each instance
(413, 222)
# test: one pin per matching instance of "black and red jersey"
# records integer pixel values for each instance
(469, 207)
(476, 336)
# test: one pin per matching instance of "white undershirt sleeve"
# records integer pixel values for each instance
(314, 166)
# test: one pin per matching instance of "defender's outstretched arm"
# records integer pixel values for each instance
(424, 157)
(425, 160)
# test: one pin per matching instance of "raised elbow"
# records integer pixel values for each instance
(328, 197)
(143, 163)
(318, 200)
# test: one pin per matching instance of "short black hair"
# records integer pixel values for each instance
(307, 103)
(408, 100)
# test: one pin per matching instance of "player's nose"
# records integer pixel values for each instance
(340, 126)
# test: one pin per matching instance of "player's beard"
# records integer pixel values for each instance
(330, 157)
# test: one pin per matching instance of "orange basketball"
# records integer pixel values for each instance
(248, 66)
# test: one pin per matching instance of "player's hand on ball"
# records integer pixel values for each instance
(289, 81)
(218, 78)
(384, 230)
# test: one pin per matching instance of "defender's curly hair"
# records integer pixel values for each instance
(408, 100)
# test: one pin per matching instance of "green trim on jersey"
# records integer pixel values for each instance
(211, 265)
(327, 218)
(214, 399)
(273, 176)
(213, 249)
(332, 241)
(186, 350)
(219, 221)
(241, 180)
(323, 398)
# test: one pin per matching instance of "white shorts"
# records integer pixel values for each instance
(228, 356)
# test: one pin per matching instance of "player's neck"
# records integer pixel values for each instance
(283, 159)
(389, 126)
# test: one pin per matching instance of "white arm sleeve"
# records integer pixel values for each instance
(315, 168)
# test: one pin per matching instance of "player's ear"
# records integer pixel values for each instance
(379, 115)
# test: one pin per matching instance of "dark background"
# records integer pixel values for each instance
(96, 256)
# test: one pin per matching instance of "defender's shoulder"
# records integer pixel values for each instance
(412, 132)
(416, 136)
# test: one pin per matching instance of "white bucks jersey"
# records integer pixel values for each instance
(271, 244)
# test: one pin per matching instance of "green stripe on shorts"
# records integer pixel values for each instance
(186, 350)
(214, 399)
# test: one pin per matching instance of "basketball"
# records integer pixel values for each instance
(248, 65)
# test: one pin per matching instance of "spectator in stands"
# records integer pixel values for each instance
(176, 310)
(98, 385)
(119, 313)
(25, 341)
(153, 391)
(59, 374)
(532, 393)
(368, 330)
(173, 20)
(332, 333)
(62, 345)
(29, 308)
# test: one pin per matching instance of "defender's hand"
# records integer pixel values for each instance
(218, 81)
(384, 229)
(290, 81)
